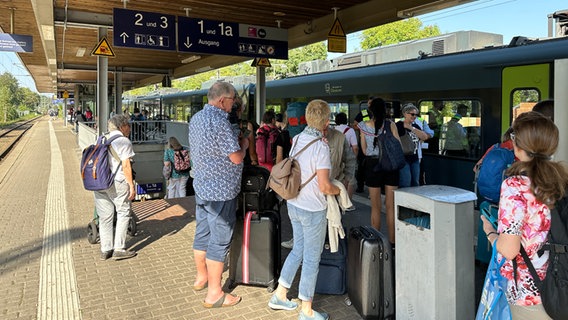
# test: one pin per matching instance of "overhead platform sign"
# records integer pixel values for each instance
(147, 30)
(16, 42)
(233, 39)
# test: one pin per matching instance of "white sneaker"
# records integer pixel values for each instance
(288, 244)
(352, 208)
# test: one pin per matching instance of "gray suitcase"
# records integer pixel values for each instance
(370, 273)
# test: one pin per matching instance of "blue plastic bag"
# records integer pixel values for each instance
(493, 304)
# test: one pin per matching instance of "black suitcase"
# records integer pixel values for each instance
(255, 250)
(332, 275)
(370, 273)
(254, 196)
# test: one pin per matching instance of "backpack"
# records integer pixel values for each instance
(96, 164)
(391, 156)
(492, 172)
(554, 287)
(265, 144)
(285, 178)
(296, 114)
(181, 160)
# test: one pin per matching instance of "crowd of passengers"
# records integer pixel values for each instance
(221, 144)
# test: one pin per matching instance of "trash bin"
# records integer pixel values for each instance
(434, 258)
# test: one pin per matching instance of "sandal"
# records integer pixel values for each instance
(220, 303)
(200, 287)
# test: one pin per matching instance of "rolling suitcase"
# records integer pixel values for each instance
(255, 250)
(254, 196)
(370, 273)
(332, 275)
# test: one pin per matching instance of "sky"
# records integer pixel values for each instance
(507, 17)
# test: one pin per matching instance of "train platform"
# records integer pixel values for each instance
(48, 269)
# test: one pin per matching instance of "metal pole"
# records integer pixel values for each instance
(560, 114)
(102, 89)
(260, 99)
(118, 92)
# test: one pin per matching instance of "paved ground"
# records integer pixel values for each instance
(48, 269)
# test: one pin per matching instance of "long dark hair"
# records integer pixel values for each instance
(537, 135)
(378, 111)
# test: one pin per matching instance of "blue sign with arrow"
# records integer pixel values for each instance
(147, 30)
(229, 38)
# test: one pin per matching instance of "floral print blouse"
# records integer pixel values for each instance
(520, 213)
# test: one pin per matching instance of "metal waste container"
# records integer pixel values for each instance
(434, 258)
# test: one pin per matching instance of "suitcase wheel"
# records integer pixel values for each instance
(347, 301)
(93, 232)
(270, 289)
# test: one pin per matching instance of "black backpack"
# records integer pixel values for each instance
(554, 287)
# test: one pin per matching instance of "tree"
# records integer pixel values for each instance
(315, 51)
(28, 100)
(396, 32)
(8, 96)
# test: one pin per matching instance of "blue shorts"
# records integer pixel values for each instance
(215, 221)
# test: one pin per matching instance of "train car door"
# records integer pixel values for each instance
(522, 87)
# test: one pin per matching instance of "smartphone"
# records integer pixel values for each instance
(490, 218)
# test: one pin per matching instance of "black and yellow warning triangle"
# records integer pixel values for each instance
(103, 49)
(336, 29)
(261, 62)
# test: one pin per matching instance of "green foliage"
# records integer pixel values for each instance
(14, 98)
(310, 52)
(395, 32)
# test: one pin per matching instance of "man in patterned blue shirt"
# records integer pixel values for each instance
(217, 158)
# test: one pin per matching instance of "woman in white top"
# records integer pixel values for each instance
(308, 214)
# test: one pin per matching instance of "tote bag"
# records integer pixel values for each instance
(493, 304)
(391, 156)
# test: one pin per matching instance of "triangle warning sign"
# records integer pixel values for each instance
(103, 49)
(336, 29)
(261, 62)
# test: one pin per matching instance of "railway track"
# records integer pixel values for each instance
(11, 135)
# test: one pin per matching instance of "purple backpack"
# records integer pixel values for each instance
(96, 165)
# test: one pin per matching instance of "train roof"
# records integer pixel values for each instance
(469, 69)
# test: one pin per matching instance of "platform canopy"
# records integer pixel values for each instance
(66, 32)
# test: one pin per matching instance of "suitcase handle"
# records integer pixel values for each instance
(366, 232)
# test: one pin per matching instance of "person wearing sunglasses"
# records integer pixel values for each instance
(411, 134)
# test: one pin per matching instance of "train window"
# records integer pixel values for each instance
(337, 108)
(456, 125)
(524, 100)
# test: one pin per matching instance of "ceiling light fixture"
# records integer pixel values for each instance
(47, 32)
(81, 52)
(203, 69)
(190, 59)
(279, 13)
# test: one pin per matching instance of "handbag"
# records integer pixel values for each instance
(493, 304)
(391, 156)
(408, 146)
